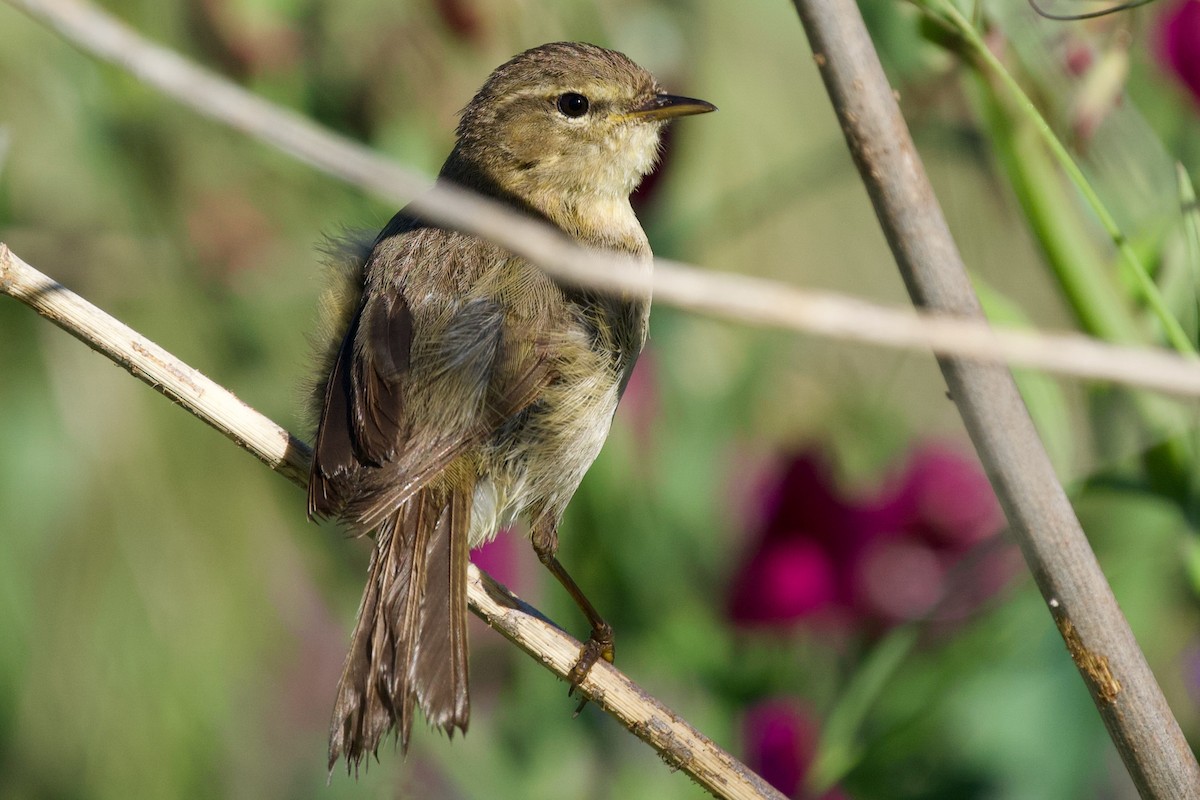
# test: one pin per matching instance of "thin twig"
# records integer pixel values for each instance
(1096, 634)
(764, 303)
(747, 300)
(1103, 12)
(677, 742)
(1078, 596)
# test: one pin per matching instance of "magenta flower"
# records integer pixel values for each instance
(939, 509)
(809, 534)
(780, 742)
(875, 561)
(1178, 43)
(499, 558)
(461, 17)
(640, 405)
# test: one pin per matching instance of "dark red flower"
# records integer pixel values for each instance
(461, 17)
(939, 509)
(780, 741)
(498, 558)
(947, 498)
(809, 533)
(640, 404)
(1178, 43)
(876, 560)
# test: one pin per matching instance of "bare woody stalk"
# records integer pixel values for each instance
(739, 298)
(1096, 634)
(679, 744)
(1079, 599)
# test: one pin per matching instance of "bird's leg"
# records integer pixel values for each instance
(600, 643)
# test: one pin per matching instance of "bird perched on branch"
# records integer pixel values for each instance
(463, 387)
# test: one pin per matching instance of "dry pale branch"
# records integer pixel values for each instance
(1125, 692)
(679, 744)
(746, 300)
(1055, 547)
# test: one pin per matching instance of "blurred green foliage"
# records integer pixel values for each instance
(173, 626)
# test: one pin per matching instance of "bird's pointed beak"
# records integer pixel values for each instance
(666, 106)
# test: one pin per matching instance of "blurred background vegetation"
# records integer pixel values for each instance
(791, 536)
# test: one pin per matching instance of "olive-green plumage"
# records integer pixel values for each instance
(464, 388)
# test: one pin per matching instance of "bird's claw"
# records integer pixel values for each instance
(598, 646)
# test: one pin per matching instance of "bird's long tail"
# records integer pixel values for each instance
(410, 643)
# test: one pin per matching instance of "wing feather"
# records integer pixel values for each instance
(382, 347)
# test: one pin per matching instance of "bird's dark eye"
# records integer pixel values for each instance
(573, 104)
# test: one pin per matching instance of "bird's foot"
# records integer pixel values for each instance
(598, 646)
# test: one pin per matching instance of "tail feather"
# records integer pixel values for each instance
(409, 646)
(438, 668)
(402, 609)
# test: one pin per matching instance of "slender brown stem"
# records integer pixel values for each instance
(679, 744)
(1079, 598)
(1096, 634)
(744, 299)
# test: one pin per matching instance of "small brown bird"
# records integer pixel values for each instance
(464, 388)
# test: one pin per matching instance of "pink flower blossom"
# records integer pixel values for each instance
(499, 559)
(780, 741)
(1178, 43)
(461, 17)
(797, 567)
(876, 560)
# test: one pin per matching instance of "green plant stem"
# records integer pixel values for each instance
(839, 749)
(1191, 223)
(1191, 236)
(1055, 219)
(1135, 712)
(1149, 290)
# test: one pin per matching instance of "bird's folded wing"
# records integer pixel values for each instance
(399, 407)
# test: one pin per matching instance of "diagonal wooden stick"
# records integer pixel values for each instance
(677, 742)
(747, 300)
(1146, 734)
(1078, 597)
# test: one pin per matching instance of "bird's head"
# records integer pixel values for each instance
(565, 122)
